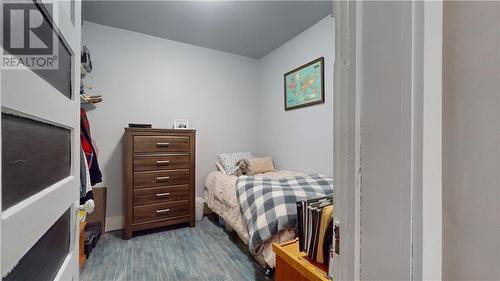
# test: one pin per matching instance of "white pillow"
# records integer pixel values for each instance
(220, 168)
(228, 160)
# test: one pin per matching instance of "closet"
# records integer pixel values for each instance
(91, 225)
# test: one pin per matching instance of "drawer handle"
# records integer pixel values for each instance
(162, 194)
(162, 144)
(162, 211)
(162, 178)
(162, 162)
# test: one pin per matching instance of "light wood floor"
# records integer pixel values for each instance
(205, 252)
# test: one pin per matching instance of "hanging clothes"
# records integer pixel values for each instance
(85, 188)
(83, 174)
(89, 150)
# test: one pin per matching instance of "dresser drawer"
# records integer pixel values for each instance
(161, 178)
(161, 162)
(161, 144)
(161, 211)
(153, 195)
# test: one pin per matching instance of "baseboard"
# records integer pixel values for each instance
(114, 223)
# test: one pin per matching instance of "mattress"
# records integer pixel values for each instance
(220, 196)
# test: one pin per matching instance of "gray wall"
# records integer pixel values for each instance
(471, 140)
(147, 79)
(300, 139)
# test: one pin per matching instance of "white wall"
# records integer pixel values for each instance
(300, 139)
(471, 141)
(148, 79)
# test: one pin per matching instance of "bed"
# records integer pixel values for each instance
(220, 196)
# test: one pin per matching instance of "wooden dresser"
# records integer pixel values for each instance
(159, 178)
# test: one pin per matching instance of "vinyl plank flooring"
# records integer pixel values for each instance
(129, 259)
(228, 252)
(205, 252)
(206, 248)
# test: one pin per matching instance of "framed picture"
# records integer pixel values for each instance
(305, 85)
(181, 124)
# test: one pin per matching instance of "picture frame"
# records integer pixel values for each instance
(305, 85)
(181, 124)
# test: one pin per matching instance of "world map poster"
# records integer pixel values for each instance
(304, 85)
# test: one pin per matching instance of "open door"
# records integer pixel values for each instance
(40, 140)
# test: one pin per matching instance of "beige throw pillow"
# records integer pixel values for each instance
(261, 165)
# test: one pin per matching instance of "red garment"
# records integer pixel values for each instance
(89, 150)
(86, 142)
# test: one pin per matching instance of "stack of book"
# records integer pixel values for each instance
(315, 228)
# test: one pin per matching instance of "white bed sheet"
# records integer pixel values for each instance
(220, 196)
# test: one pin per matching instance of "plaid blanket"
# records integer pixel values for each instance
(270, 205)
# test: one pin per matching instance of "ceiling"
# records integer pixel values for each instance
(248, 28)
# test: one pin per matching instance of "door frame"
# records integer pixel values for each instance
(347, 174)
(424, 171)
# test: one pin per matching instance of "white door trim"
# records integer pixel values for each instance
(346, 139)
(1, 79)
(27, 95)
(427, 140)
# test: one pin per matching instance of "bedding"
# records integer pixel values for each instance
(220, 196)
(220, 168)
(269, 205)
(228, 160)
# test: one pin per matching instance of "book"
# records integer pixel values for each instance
(139, 125)
(300, 225)
(326, 223)
(316, 215)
